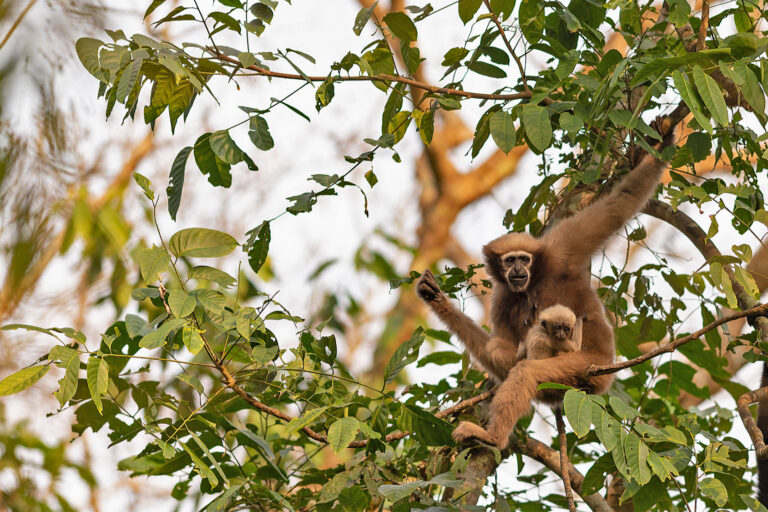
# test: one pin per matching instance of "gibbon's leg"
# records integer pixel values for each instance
(513, 398)
(471, 335)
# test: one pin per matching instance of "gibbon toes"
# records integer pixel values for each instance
(467, 431)
(427, 288)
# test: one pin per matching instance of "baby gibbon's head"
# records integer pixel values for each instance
(558, 321)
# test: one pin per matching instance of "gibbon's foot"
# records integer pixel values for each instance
(466, 431)
(427, 288)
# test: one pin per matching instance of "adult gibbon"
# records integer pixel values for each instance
(557, 331)
(530, 274)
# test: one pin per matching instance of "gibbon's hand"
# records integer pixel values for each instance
(427, 288)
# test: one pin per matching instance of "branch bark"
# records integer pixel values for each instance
(564, 462)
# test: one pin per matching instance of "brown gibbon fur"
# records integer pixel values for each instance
(530, 274)
(556, 332)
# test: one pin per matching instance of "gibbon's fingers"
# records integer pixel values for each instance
(427, 287)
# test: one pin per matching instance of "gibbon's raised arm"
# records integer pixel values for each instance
(579, 237)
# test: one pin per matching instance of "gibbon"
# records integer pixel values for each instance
(530, 274)
(557, 331)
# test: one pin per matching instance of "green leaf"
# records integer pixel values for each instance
(97, 376)
(691, 99)
(636, 452)
(362, 18)
(263, 12)
(486, 69)
(259, 133)
(595, 477)
(211, 274)
(22, 379)
(152, 262)
(323, 96)
(257, 245)
(201, 243)
(68, 383)
(88, 52)
(537, 127)
(192, 339)
(154, 5)
(225, 148)
(156, 338)
(201, 466)
(176, 181)
(468, 8)
(211, 300)
(209, 164)
(209, 456)
(578, 410)
(711, 95)
(145, 184)
(181, 303)
(401, 25)
(750, 87)
(398, 492)
(752, 503)
(624, 411)
(222, 502)
(715, 490)
(404, 355)
(226, 20)
(425, 426)
(342, 432)
(128, 77)
(440, 358)
(503, 131)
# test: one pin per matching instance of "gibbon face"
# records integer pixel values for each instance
(558, 321)
(516, 267)
(557, 330)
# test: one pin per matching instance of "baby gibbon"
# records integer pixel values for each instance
(557, 331)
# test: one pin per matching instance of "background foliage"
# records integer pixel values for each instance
(202, 374)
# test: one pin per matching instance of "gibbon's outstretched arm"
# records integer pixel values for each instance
(579, 237)
(477, 340)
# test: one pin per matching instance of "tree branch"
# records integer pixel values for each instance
(551, 459)
(670, 347)
(374, 78)
(704, 24)
(564, 462)
(742, 404)
(520, 66)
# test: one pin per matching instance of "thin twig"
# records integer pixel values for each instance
(376, 78)
(519, 63)
(673, 345)
(16, 23)
(564, 462)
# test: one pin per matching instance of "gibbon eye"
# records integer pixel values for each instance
(525, 259)
(509, 260)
